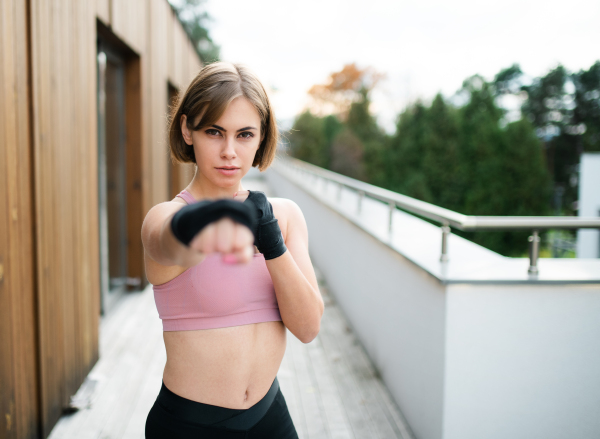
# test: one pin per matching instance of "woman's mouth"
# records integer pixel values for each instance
(228, 170)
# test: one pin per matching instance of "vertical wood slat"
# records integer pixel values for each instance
(183, 66)
(68, 182)
(194, 64)
(40, 47)
(178, 55)
(18, 369)
(158, 76)
(170, 24)
(90, 272)
(175, 169)
(146, 117)
(50, 315)
(85, 197)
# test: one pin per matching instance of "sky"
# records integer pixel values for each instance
(423, 47)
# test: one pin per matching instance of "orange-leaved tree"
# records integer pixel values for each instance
(342, 89)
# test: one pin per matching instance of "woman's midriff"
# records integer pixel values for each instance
(231, 367)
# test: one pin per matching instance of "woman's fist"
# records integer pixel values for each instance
(233, 240)
(224, 226)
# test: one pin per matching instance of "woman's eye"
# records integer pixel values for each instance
(212, 132)
(246, 135)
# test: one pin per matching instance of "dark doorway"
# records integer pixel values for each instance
(119, 169)
(112, 176)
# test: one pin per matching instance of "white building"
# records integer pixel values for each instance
(588, 240)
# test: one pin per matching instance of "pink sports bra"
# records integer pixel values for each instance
(213, 294)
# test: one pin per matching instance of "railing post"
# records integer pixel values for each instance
(445, 233)
(534, 251)
(392, 207)
(361, 195)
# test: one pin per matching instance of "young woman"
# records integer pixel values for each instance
(230, 269)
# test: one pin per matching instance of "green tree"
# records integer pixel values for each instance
(565, 111)
(524, 171)
(549, 106)
(422, 157)
(404, 158)
(348, 140)
(331, 128)
(481, 150)
(508, 80)
(463, 159)
(586, 115)
(347, 153)
(308, 141)
(441, 155)
(364, 126)
(504, 169)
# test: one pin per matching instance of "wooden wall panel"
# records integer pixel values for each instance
(103, 11)
(184, 64)
(194, 63)
(88, 282)
(191, 67)
(65, 175)
(128, 22)
(171, 22)
(158, 76)
(178, 53)
(185, 61)
(146, 93)
(19, 410)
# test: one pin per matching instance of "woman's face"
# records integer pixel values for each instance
(225, 150)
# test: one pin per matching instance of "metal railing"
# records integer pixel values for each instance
(447, 218)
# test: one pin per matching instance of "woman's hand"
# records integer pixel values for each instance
(234, 240)
(267, 234)
(241, 196)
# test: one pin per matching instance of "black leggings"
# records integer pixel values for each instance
(175, 417)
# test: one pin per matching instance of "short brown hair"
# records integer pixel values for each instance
(209, 94)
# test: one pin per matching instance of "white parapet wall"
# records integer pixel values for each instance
(472, 348)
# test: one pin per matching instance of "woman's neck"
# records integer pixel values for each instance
(202, 188)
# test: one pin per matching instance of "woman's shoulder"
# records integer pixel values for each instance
(288, 213)
(285, 206)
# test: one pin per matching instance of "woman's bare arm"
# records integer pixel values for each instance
(300, 302)
(160, 243)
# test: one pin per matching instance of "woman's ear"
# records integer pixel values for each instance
(185, 131)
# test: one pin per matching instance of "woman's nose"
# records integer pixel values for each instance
(228, 150)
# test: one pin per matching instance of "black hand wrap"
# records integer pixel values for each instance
(267, 234)
(191, 219)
